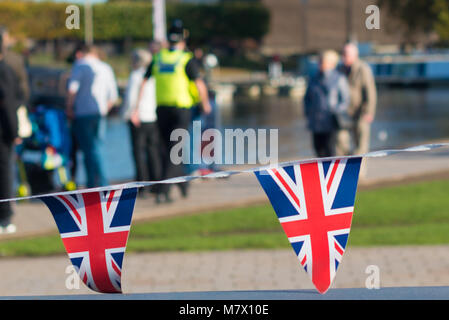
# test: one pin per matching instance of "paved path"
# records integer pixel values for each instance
(232, 270)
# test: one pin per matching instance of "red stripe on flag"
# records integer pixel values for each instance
(331, 178)
(72, 208)
(286, 186)
(339, 250)
(116, 269)
(303, 261)
(111, 196)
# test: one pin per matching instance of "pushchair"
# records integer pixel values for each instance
(44, 157)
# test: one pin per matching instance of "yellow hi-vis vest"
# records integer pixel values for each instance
(172, 84)
(194, 93)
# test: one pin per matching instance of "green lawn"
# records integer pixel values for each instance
(410, 214)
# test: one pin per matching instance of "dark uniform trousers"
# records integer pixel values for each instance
(169, 119)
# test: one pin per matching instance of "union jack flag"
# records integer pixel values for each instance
(94, 228)
(314, 203)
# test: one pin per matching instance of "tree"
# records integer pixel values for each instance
(424, 16)
(441, 7)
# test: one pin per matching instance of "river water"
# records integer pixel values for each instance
(405, 116)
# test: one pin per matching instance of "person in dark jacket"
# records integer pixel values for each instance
(326, 103)
(16, 62)
(11, 96)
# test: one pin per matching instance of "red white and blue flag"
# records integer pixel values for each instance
(314, 203)
(94, 228)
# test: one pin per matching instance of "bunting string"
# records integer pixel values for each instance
(228, 173)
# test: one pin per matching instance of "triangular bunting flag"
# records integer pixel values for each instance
(314, 202)
(94, 228)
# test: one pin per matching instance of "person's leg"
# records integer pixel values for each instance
(98, 151)
(362, 141)
(139, 154)
(184, 117)
(83, 132)
(181, 120)
(164, 118)
(362, 137)
(343, 143)
(138, 147)
(195, 148)
(170, 119)
(6, 211)
(89, 132)
(318, 144)
(324, 144)
(331, 143)
(152, 145)
(73, 155)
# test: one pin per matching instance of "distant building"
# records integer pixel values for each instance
(305, 26)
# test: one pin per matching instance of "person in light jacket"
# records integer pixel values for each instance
(144, 134)
(362, 109)
(92, 93)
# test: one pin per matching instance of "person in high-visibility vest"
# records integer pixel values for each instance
(174, 69)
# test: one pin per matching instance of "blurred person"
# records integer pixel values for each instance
(92, 92)
(326, 99)
(75, 57)
(275, 68)
(11, 96)
(145, 136)
(173, 69)
(198, 55)
(209, 120)
(16, 62)
(362, 108)
(155, 47)
(196, 111)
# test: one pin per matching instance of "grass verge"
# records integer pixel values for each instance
(413, 214)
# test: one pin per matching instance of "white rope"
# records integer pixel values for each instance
(224, 174)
